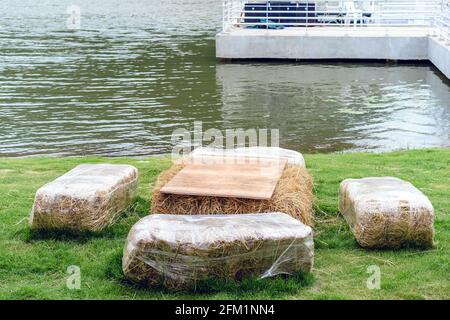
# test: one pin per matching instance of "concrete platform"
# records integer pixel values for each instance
(439, 54)
(395, 43)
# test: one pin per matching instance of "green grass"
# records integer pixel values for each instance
(34, 265)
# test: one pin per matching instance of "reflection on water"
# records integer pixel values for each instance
(138, 69)
(340, 106)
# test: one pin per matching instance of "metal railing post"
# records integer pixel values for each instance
(224, 16)
(446, 18)
(230, 12)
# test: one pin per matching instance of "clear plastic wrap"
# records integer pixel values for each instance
(87, 198)
(292, 157)
(178, 250)
(386, 212)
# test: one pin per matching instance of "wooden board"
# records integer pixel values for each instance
(231, 177)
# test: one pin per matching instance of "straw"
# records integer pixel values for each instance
(293, 195)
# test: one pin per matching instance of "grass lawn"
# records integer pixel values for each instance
(34, 265)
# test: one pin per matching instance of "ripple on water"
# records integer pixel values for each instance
(138, 69)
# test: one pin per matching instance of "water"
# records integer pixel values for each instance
(137, 70)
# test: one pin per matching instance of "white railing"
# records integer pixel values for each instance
(263, 14)
(442, 22)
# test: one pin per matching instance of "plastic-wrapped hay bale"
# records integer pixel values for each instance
(386, 212)
(177, 251)
(293, 193)
(293, 157)
(87, 198)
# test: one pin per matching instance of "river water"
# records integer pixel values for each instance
(136, 70)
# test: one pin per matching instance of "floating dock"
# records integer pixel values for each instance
(399, 40)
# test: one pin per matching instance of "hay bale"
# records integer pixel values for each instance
(293, 195)
(386, 212)
(87, 198)
(177, 251)
(292, 157)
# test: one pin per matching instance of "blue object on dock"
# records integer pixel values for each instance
(269, 24)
